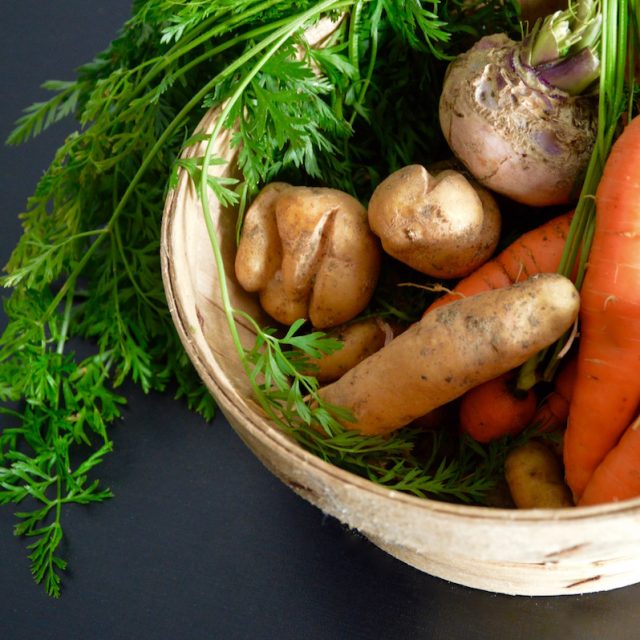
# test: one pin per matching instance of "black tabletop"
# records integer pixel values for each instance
(200, 540)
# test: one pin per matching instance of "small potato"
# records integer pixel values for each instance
(442, 225)
(359, 340)
(309, 253)
(535, 478)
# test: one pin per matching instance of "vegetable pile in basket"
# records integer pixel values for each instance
(85, 276)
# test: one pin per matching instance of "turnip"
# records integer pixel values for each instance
(521, 116)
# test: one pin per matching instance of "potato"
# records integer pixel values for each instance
(534, 475)
(359, 340)
(260, 252)
(442, 225)
(452, 349)
(309, 253)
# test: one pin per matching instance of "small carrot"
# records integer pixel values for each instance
(607, 389)
(496, 408)
(536, 251)
(554, 409)
(617, 477)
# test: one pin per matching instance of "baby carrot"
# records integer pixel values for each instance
(607, 389)
(496, 408)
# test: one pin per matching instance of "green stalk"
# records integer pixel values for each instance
(181, 49)
(562, 49)
(195, 101)
(354, 40)
(66, 318)
(615, 38)
(366, 81)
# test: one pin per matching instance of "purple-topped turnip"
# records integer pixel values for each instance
(521, 116)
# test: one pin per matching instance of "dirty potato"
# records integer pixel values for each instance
(359, 340)
(453, 349)
(309, 253)
(442, 224)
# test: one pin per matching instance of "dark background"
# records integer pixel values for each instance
(200, 540)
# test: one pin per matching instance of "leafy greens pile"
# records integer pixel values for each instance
(85, 275)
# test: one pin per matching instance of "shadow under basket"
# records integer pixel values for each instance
(524, 552)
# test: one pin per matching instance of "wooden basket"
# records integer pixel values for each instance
(526, 552)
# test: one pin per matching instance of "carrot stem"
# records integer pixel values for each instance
(620, 27)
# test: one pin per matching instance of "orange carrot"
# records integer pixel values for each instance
(617, 477)
(554, 410)
(607, 389)
(495, 409)
(536, 251)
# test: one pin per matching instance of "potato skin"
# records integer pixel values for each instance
(309, 253)
(453, 349)
(360, 339)
(260, 252)
(535, 479)
(441, 224)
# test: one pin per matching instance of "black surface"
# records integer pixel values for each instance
(200, 540)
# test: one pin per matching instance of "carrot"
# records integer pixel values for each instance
(554, 409)
(496, 408)
(536, 251)
(607, 389)
(617, 477)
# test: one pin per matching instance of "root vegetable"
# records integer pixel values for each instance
(453, 349)
(309, 253)
(496, 408)
(259, 252)
(617, 477)
(537, 251)
(359, 340)
(442, 225)
(606, 395)
(515, 115)
(554, 410)
(534, 476)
